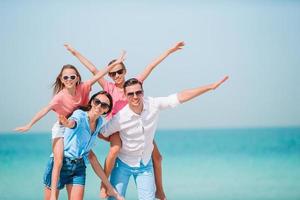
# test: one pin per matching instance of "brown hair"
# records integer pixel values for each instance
(121, 63)
(58, 85)
(89, 106)
(131, 82)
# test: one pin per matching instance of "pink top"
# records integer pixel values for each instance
(64, 104)
(119, 98)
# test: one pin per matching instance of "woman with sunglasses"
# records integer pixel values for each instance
(80, 134)
(69, 94)
(115, 88)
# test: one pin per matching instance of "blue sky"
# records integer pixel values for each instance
(256, 43)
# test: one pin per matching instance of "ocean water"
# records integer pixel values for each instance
(211, 164)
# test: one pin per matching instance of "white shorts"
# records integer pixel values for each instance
(57, 130)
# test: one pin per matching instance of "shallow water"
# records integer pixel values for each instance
(227, 164)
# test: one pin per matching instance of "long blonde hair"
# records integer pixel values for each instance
(58, 85)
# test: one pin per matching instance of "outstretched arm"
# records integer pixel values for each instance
(69, 123)
(101, 174)
(187, 95)
(102, 73)
(151, 66)
(88, 64)
(39, 115)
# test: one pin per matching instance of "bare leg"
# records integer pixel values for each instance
(57, 148)
(47, 193)
(75, 192)
(157, 159)
(115, 146)
(111, 191)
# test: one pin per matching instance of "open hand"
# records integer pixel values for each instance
(70, 48)
(217, 84)
(23, 128)
(119, 60)
(177, 46)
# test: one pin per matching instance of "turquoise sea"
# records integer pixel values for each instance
(210, 164)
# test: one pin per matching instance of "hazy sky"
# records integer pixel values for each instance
(256, 43)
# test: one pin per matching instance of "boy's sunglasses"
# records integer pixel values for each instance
(103, 105)
(71, 77)
(137, 93)
(113, 74)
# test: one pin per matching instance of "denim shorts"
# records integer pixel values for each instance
(73, 172)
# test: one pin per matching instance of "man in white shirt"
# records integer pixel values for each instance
(137, 123)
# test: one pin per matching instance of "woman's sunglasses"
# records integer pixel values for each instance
(71, 77)
(103, 105)
(113, 74)
(137, 93)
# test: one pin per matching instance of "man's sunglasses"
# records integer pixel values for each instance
(137, 93)
(71, 77)
(113, 74)
(103, 105)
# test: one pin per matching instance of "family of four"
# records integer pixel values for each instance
(120, 114)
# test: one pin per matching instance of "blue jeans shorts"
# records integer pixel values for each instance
(73, 172)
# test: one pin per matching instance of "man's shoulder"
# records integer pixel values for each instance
(149, 99)
(124, 112)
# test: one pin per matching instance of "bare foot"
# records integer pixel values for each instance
(103, 192)
(160, 195)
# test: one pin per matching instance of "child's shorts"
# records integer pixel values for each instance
(57, 130)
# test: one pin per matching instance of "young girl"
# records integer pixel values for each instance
(69, 94)
(115, 88)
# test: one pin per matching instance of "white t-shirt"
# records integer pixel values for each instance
(137, 131)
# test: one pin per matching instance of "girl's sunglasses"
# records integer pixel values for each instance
(113, 74)
(71, 77)
(103, 105)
